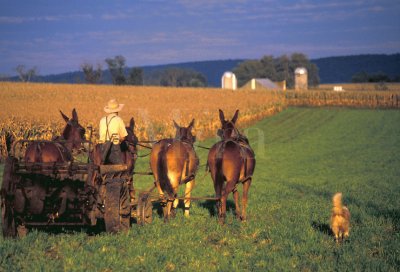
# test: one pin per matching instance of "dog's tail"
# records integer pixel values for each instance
(337, 200)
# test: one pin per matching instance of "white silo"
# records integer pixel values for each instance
(228, 81)
(300, 79)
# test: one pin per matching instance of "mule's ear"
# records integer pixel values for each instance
(191, 124)
(132, 124)
(176, 125)
(74, 115)
(235, 116)
(221, 116)
(66, 119)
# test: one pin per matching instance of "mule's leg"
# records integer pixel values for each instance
(225, 193)
(168, 208)
(172, 212)
(237, 206)
(188, 190)
(246, 186)
(218, 185)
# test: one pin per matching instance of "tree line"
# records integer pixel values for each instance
(364, 77)
(121, 75)
(276, 69)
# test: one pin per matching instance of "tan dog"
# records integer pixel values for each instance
(340, 218)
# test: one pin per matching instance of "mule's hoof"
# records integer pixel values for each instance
(173, 213)
(221, 220)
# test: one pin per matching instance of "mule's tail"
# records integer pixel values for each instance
(164, 180)
(38, 152)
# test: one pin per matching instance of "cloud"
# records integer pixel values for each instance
(116, 16)
(49, 18)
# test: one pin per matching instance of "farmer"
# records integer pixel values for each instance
(112, 132)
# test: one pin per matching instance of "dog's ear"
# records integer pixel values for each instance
(235, 116)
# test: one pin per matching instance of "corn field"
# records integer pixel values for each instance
(31, 110)
(354, 99)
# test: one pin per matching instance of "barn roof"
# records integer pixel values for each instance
(265, 82)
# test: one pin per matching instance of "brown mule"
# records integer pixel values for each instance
(59, 150)
(128, 149)
(116, 197)
(128, 155)
(231, 160)
(174, 162)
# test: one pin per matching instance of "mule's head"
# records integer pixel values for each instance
(185, 133)
(228, 129)
(74, 133)
(131, 138)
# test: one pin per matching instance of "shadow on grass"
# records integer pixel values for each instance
(210, 205)
(323, 228)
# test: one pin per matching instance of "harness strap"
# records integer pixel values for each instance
(107, 124)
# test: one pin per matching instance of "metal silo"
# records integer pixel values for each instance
(228, 81)
(300, 79)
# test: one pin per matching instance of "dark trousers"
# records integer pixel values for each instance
(114, 155)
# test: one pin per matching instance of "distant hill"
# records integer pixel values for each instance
(331, 69)
(212, 70)
(341, 69)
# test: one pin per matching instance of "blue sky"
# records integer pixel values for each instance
(58, 36)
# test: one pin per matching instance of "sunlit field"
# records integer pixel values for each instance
(31, 110)
(303, 157)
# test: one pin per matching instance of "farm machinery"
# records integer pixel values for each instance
(73, 193)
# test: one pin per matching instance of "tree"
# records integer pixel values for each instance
(25, 75)
(276, 69)
(92, 76)
(363, 77)
(136, 76)
(116, 66)
(178, 77)
(282, 68)
(268, 67)
(247, 70)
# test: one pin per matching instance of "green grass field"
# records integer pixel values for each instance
(304, 156)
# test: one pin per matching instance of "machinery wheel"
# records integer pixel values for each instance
(7, 219)
(22, 231)
(144, 210)
(117, 207)
(7, 212)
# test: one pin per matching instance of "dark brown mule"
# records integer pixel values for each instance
(59, 150)
(231, 160)
(116, 196)
(174, 162)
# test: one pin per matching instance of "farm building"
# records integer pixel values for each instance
(265, 84)
(228, 81)
(300, 79)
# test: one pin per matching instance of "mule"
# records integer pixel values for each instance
(175, 162)
(231, 161)
(128, 155)
(62, 147)
(128, 149)
(117, 196)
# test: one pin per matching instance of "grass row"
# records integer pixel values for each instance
(304, 156)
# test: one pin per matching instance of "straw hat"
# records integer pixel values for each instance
(113, 106)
